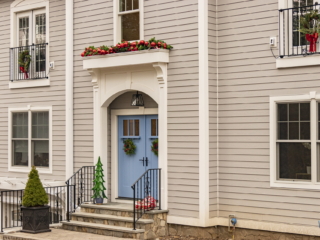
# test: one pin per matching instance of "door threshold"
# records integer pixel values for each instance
(124, 198)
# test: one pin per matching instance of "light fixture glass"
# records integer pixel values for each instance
(137, 100)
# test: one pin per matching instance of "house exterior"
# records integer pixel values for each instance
(236, 117)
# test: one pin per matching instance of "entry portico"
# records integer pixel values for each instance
(114, 75)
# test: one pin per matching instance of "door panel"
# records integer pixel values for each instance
(130, 168)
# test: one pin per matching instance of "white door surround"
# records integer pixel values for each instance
(113, 75)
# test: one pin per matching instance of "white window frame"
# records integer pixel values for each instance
(314, 99)
(117, 21)
(28, 109)
(23, 7)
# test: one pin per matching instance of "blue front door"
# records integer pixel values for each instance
(143, 130)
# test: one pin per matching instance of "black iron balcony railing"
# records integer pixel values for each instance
(28, 62)
(291, 41)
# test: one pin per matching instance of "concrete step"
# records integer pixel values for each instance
(111, 220)
(102, 229)
(117, 209)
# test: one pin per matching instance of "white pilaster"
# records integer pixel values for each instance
(69, 88)
(203, 113)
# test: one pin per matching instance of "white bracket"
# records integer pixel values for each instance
(51, 65)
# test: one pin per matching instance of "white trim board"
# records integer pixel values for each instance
(114, 145)
(29, 109)
(203, 112)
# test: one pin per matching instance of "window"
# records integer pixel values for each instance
(128, 20)
(30, 140)
(131, 127)
(295, 141)
(29, 52)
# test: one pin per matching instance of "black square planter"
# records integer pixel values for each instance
(35, 219)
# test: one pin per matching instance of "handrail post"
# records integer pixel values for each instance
(159, 188)
(134, 207)
(68, 199)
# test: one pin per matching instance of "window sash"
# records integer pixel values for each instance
(32, 142)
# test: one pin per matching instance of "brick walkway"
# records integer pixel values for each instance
(58, 234)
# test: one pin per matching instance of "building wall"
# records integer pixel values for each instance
(175, 22)
(247, 78)
(213, 132)
(54, 95)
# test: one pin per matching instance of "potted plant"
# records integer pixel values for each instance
(309, 27)
(98, 188)
(35, 211)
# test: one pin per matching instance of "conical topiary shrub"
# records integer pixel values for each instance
(34, 193)
(98, 188)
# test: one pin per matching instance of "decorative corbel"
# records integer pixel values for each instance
(95, 73)
(161, 69)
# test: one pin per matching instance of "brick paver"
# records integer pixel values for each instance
(60, 234)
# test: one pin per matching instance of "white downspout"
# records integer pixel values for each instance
(69, 88)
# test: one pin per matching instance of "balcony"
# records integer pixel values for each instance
(28, 62)
(291, 41)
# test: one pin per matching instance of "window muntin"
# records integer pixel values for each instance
(294, 141)
(30, 138)
(129, 14)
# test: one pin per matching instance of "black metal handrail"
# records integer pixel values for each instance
(28, 62)
(83, 182)
(11, 203)
(146, 193)
(291, 41)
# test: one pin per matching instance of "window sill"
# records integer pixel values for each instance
(295, 185)
(29, 83)
(300, 61)
(27, 169)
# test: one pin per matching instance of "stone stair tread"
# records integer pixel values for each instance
(118, 207)
(102, 226)
(110, 217)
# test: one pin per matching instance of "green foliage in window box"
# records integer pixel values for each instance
(34, 193)
(310, 22)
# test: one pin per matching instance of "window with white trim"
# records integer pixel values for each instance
(129, 20)
(295, 141)
(30, 143)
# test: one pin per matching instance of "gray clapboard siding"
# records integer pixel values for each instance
(247, 77)
(42, 96)
(92, 22)
(212, 51)
(176, 22)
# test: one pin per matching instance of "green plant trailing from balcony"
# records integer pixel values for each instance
(34, 193)
(126, 46)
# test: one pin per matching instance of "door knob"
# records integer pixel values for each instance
(147, 161)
